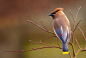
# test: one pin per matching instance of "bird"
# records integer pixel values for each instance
(61, 27)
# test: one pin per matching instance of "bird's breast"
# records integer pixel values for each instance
(61, 21)
(56, 24)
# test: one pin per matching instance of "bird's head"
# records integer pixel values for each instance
(56, 12)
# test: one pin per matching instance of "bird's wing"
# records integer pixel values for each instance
(69, 35)
(61, 34)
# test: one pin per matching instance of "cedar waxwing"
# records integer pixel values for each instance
(61, 26)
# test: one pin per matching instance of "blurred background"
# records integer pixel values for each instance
(15, 31)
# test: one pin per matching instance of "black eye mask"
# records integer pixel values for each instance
(55, 12)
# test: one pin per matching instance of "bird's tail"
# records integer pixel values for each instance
(65, 48)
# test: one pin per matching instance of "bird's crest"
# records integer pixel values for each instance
(58, 9)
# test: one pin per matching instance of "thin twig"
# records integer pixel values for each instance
(83, 50)
(34, 49)
(72, 14)
(37, 25)
(77, 25)
(47, 29)
(78, 52)
(73, 32)
(74, 23)
(43, 48)
(43, 25)
(85, 44)
(74, 28)
(48, 38)
(74, 36)
(39, 43)
(12, 51)
(43, 43)
(70, 54)
(51, 32)
(82, 33)
(83, 36)
(76, 41)
(58, 45)
(72, 48)
(77, 12)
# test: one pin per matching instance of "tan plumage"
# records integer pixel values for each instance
(61, 27)
(61, 18)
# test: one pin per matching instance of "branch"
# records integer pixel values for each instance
(41, 48)
(76, 41)
(77, 12)
(48, 38)
(58, 45)
(85, 44)
(80, 50)
(73, 32)
(83, 36)
(74, 23)
(75, 29)
(37, 25)
(36, 48)
(44, 44)
(72, 48)
(70, 54)
(72, 14)
(39, 43)
(77, 25)
(41, 27)
(33, 49)
(47, 29)
(82, 33)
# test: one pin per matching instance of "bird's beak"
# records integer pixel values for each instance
(51, 14)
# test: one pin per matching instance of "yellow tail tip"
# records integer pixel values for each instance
(66, 52)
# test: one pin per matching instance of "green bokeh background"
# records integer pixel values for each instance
(15, 31)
